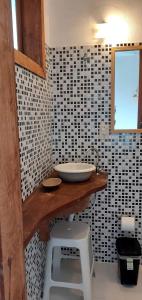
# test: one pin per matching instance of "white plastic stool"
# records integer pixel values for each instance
(72, 235)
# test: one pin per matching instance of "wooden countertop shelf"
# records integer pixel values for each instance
(41, 207)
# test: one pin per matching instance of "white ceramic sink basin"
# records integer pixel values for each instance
(75, 172)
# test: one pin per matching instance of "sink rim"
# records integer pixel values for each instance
(62, 167)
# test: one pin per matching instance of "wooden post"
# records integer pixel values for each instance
(1, 275)
(12, 270)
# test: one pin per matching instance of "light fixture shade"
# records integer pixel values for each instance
(115, 30)
(101, 30)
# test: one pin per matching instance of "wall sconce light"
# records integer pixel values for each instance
(101, 31)
(114, 31)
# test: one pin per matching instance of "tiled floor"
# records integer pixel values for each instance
(106, 286)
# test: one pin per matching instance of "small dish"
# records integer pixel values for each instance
(51, 183)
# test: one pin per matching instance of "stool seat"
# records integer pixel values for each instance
(70, 230)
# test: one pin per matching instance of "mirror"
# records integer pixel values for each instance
(126, 89)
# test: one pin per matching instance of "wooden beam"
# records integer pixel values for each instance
(11, 227)
(2, 297)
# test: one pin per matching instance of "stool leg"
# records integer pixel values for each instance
(48, 272)
(56, 260)
(91, 258)
(86, 272)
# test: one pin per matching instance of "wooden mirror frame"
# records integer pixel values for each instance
(31, 38)
(114, 50)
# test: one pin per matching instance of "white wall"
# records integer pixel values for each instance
(71, 22)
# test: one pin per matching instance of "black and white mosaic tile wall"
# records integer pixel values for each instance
(34, 104)
(82, 102)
